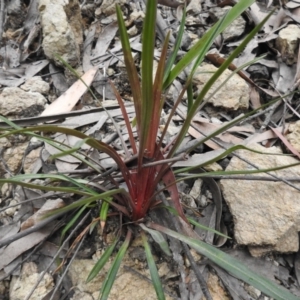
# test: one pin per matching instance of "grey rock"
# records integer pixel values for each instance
(266, 214)
(126, 284)
(108, 7)
(194, 7)
(233, 95)
(287, 43)
(36, 84)
(62, 30)
(294, 136)
(21, 287)
(16, 103)
(235, 29)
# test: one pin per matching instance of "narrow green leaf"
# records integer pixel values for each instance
(158, 238)
(89, 141)
(130, 66)
(153, 270)
(206, 40)
(193, 222)
(158, 102)
(102, 261)
(103, 212)
(211, 81)
(72, 222)
(112, 273)
(45, 188)
(190, 97)
(72, 150)
(91, 200)
(104, 209)
(174, 52)
(228, 61)
(229, 151)
(255, 60)
(240, 172)
(148, 41)
(56, 144)
(232, 265)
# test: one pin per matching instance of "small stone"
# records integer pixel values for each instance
(203, 201)
(294, 136)
(252, 291)
(216, 289)
(194, 7)
(11, 210)
(21, 287)
(16, 103)
(30, 159)
(62, 30)
(133, 31)
(265, 213)
(213, 167)
(235, 29)
(163, 269)
(196, 189)
(126, 283)
(196, 256)
(233, 95)
(36, 84)
(14, 156)
(135, 15)
(108, 7)
(6, 190)
(288, 42)
(82, 296)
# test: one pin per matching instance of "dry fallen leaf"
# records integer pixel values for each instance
(68, 100)
(48, 206)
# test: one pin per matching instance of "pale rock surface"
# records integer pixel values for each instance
(36, 84)
(13, 156)
(127, 284)
(108, 7)
(235, 29)
(62, 30)
(287, 43)
(12, 209)
(82, 296)
(233, 95)
(30, 160)
(213, 167)
(196, 189)
(294, 136)
(194, 7)
(4, 287)
(15, 103)
(21, 286)
(266, 214)
(216, 288)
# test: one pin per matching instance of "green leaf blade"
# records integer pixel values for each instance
(153, 270)
(110, 277)
(148, 45)
(158, 238)
(130, 66)
(232, 265)
(234, 13)
(102, 261)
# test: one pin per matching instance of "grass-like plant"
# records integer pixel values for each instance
(148, 162)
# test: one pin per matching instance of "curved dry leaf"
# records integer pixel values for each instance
(49, 205)
(285, 141)
(68, 100)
